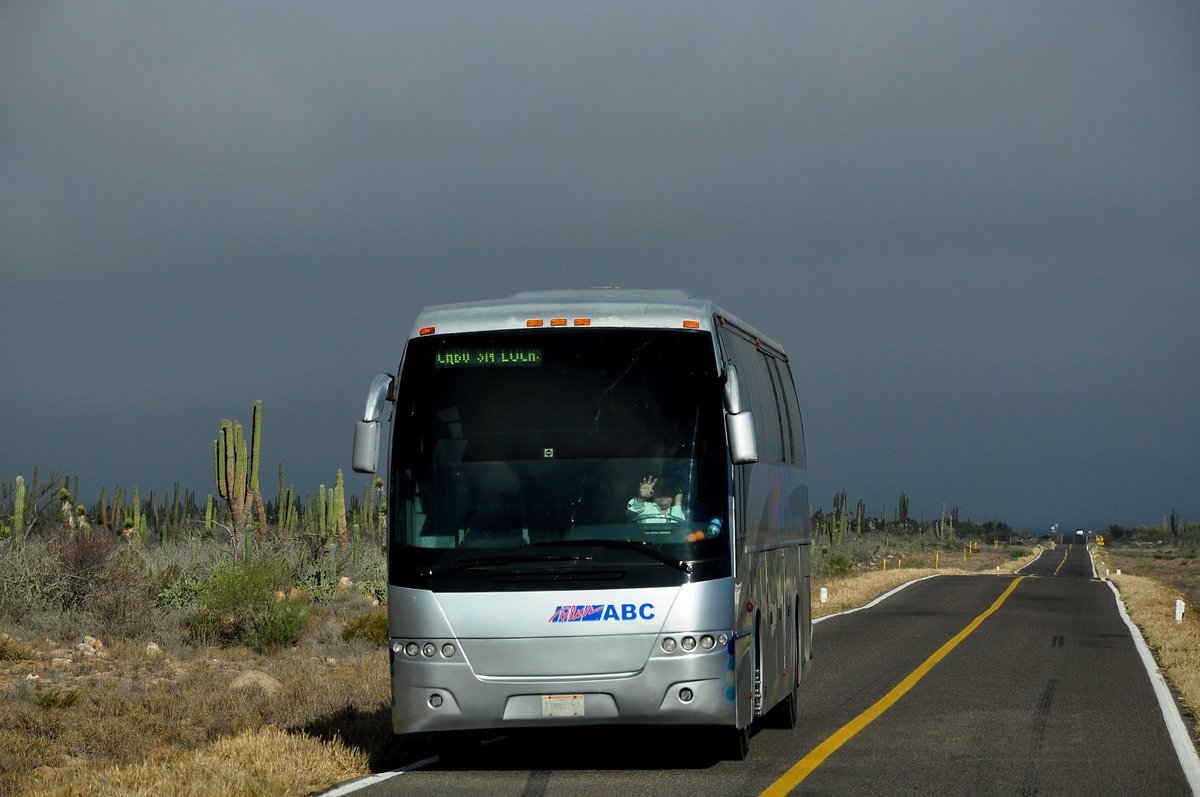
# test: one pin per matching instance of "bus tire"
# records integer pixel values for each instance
(736, 743)
(783, 716)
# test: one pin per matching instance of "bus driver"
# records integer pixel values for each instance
(647, 507)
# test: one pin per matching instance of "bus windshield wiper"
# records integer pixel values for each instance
(629, 545)
(482, 561)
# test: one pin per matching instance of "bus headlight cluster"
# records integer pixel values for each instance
(426, 649)
(689, 642)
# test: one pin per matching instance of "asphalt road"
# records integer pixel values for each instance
(1047, 695)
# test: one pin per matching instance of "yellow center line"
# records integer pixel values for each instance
(1063, 562)
(804, 767)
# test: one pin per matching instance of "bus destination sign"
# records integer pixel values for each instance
(488, 357)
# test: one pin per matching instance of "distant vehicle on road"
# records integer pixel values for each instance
(1080, 537)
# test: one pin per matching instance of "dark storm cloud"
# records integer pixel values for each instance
(973, 226)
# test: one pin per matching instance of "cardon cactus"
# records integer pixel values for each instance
(235, 468)
(19, 510)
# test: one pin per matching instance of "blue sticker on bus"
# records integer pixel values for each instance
(586, 613)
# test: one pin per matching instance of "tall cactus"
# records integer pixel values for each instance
(19, 511)
(287, 508)
(235, 469)
(322, 513)
(339, 495)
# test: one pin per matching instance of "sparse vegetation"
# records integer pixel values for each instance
(143, 646)
(371, 627)
(120, 660)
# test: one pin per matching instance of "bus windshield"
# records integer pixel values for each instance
(563, 456)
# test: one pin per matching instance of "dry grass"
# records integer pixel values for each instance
(1150, 601)
(155, 723)
(265, 761)
(861, 587)
(151, 703)
(137, 720)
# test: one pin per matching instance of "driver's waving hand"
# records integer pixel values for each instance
(649, 507)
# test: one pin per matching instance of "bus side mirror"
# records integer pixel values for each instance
(739, 422)
(366, 432)
(366, 446)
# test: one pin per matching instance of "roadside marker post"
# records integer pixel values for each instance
(1178, 610)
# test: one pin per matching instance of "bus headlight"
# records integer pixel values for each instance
(429, 649)
(397, 646)
(448, 650)
(412, 648)
(689, 643)
(668, 644)
(707, 642)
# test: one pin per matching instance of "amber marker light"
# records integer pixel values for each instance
(582, 322)
(691, 324)
(558, 322)
(533, 322)
(426, 331)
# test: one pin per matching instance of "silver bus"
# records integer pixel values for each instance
(597, 514)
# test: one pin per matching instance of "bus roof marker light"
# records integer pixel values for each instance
(558, 322)
(691, 324)
(533, 322)
(426, 330)
(582, 322)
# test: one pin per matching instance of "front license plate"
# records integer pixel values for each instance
(562, 705)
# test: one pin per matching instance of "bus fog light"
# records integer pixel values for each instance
(689, 643)
(412, 648)
(685, 695)
(429, 649)
(707, 642)
(668, 644)
(723, 640)
(448, 650)
(397, 646)
(435, 700)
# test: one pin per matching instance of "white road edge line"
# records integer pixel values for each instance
(1180, 737)
(880, 599)
(371, 780)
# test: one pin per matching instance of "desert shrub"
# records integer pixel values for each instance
(175, 589)
(375, 585)
(281, 627)
(14, 650)
(179, 594)
(237, 605)
(120, 601)
(319, 586)
(1018, 553)
(55, 698)
(839, 563)
(372, 627)
(81, 557)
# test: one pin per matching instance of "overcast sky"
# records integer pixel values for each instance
(974, 226)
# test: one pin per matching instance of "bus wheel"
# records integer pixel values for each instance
(784, 714)
(737, 743)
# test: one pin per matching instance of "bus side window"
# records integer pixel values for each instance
(789, 410)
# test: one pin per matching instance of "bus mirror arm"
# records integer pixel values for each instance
(366, 432)
(733, 392)
(739, 422)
